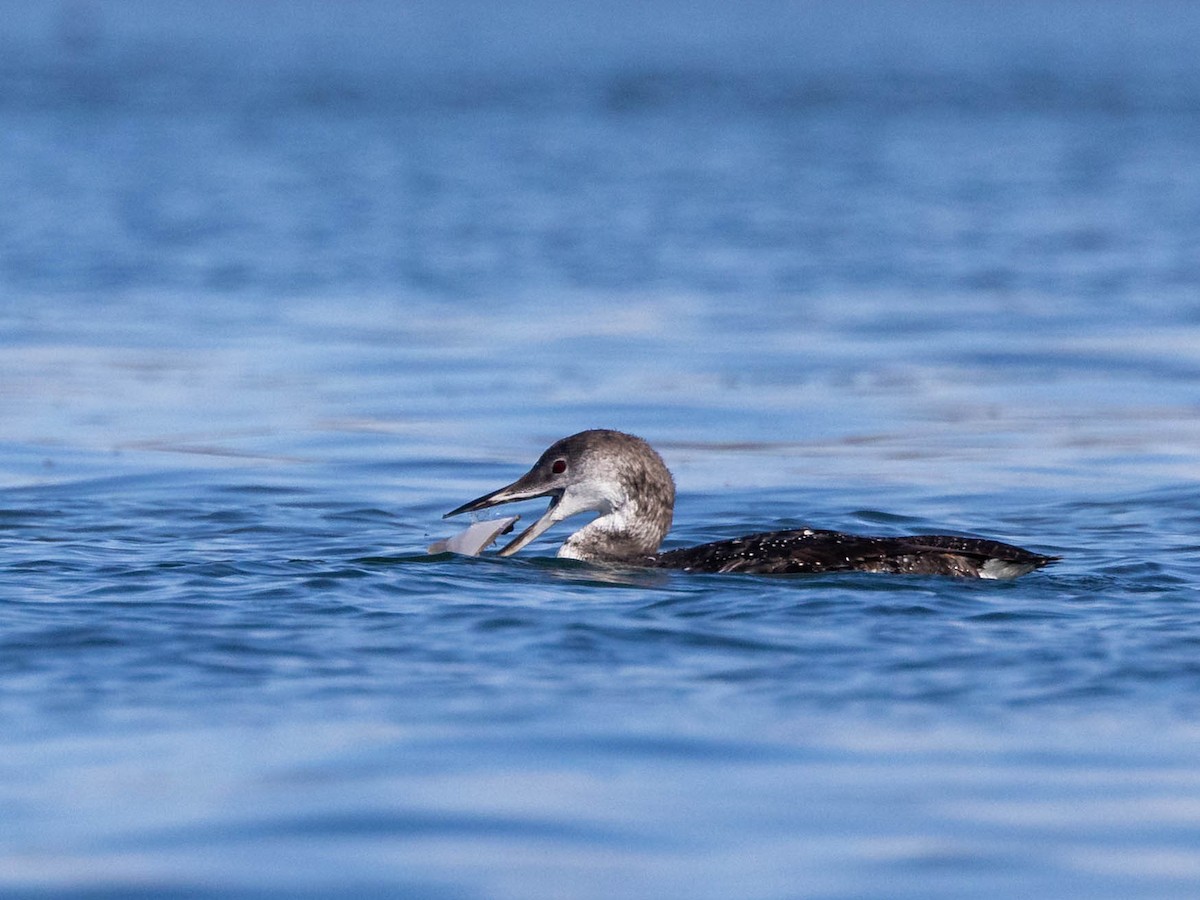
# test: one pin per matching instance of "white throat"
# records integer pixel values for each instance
(599, 531)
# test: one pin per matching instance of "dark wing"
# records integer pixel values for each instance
(812, 551)
(990, 559)
(781, 552)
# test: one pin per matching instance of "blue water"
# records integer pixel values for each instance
(281, 283)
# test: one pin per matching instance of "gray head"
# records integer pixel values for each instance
(615, 474)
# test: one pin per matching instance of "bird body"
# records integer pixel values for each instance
(625, 481)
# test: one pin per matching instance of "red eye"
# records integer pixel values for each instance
(559, 466)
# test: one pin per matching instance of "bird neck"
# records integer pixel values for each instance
(632, 530)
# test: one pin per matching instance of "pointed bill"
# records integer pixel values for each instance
(548, 518)
(527, 487)
(524, 488)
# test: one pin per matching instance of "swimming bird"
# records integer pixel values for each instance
(623, 478)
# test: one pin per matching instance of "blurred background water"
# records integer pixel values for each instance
(281, 283)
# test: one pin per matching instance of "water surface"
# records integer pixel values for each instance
(280, 287)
